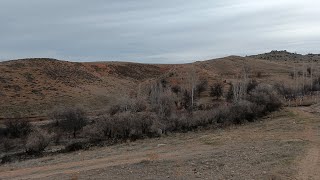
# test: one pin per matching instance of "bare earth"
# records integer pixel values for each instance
(284, 145)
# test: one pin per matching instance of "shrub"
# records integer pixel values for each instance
(7, 144)
(201, 87)
(163, 82)
(37, 141)
(229, 95)
(259, 74)
(309, 70)
(287, 92)
(164, 109)
(241, 111)
(291, 74)
(134, 125)
(17, 128)
(133, 105)
(138, 105)
(186, 101)
(216, 90)
(222, 115)
(204, 118)
(251, 86)
(267, 97)
(114, 109)
(262, 100)
(123, 126)
(76, 146)
(316, 84)
(176, 89)
(94, 132)
(72, 120)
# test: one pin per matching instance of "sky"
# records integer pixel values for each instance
(156, 31)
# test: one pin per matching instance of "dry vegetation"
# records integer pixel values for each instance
(154, 101)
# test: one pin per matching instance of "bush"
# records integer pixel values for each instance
(251, 86)
(266, 96)
(241, 111)
(72, 120)
(176, 89)
(133, 105)
(94, 132)
(186, 101)
(262, 100)
(76, 146)
(164, 108)
(216, 90)
(126, 126)
(222, 115)
(134, 125)
(114, 109)
(37, 141)
(201, 87)
(7, 144)
(229, 95)
(286, 92)
(259, 74)
(138, 105)
(17, 128)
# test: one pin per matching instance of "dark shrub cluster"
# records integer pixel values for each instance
(261, 100)
(176, 89)
(201, 87)
(265, 96)
(285, 91)
(71, 119)
(216, 90)
(135, 119)
(124, 126)
(17, 128)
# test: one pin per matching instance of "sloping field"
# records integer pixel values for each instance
(33, 87)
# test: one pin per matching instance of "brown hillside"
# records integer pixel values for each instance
(33, 87)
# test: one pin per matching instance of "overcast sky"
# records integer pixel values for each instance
(156, 31)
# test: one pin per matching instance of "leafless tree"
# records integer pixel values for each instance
(193, 79)
(156, 91)
(240, 85)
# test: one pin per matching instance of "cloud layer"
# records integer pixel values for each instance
(152, 31)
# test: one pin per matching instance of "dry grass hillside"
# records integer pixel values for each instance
(33, 87)
(228, 118)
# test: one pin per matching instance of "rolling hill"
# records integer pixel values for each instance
(33, 87)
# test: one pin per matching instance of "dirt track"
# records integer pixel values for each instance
(283, 146)
(309, 167)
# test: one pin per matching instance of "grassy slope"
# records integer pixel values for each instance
(34, 86)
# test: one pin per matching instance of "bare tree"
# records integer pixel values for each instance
(193, 79)
(156, 91)
(239, 86)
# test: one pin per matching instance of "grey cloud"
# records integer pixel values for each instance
(168, 31)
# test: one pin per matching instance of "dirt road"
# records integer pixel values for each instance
(282, 146)
(309, 166)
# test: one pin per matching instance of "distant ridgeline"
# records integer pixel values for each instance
(286, 56)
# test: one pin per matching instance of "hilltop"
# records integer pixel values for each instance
(287, 56)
